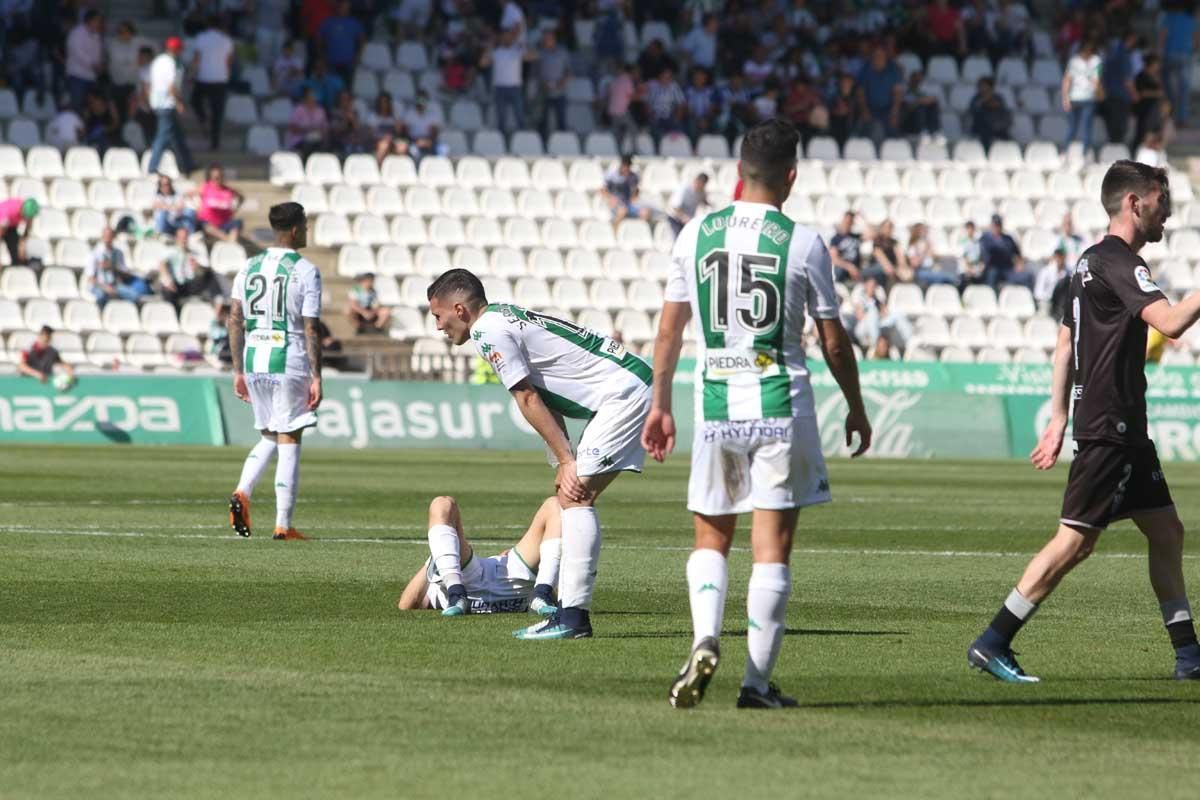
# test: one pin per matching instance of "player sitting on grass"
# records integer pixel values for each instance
(455, 580)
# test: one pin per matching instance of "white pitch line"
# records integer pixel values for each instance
(815, 551)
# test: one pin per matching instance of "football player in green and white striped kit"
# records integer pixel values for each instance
(275, 316)
(555, 369)
(747, 274)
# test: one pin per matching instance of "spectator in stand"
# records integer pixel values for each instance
(803, 22)
(758, 68)
(109, 277)
(171, 209)
(85, 56)
(621, 92)
(845, 250)
(216, 346)
(386, 126)
(269, 34)
(846, 115)
(41, 359)
(506, 60)
(804, 109)
(313, 14)
(667, 105)
(875, 327)
(421, 126)
(348, 132)
(1002, 259)
(976, 26)
(920, 112)
(411, 17)
(324, 84)
(654, 59)
(1010, 29)
(922, 260)
(366, 313)
(766, 105)
(66, 129)
(990, 116)
(970, 256)
(699, 46)
(1153, 150)
(218, 205)
(166, 101)
(1069, 241)
(512, 18)
(16, 218)
(703, 104)
(1050, 288)
(621, 192)
(213, 66)
(1080, 91)
(944, 30)
(124, 66)
(1070, 34)
(881, 84)
(686, 201)
(553, 73)
(888, 260)
(25, 56)
(1178, 38)
(101, 123)
(308, 126)
(1119, 92)
(1152, 108)
(342, 39)
(182, 275)
(287, 73)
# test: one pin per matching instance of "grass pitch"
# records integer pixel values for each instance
(145, 651)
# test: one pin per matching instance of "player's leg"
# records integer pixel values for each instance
(291, 416)
(255, 465)
(1164, 535)
(541, 549)
(449, 550)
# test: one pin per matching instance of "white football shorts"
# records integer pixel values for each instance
(612, 440)
(280, 402)
(772, 464)
(496, 584)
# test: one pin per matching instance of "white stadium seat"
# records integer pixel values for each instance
(286, 169)
(144, 350)
(18, 283)
(323, 169)
(347, 200)
(980, 301)
(195, 318)
(332, 230)
(262, 140)
(120, 317)
(361, 169)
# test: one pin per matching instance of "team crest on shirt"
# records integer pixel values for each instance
(496, 359)
(1144, 281)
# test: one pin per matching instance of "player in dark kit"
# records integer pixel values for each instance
(1099, 362)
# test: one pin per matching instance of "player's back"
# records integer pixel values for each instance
(277, 289)
(750, 273)
(574, 368)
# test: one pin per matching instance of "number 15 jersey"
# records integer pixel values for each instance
(277, 289)
(749, 273)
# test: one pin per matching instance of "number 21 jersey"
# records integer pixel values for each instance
(277, 289)
(750, 273)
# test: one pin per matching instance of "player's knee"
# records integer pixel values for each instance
(443, 508)
(1084, 549)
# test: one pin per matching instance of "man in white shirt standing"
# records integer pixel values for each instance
(507, 59)
(85, 57)
(166, 101)
(213, 62)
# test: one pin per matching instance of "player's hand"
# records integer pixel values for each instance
(658, 434)
(1045, 455)
(239, 387)
(857, 422)
(314, 394)
(568, 483)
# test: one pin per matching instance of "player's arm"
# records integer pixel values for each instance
(24, 368)
(541, 419)
(310, 311)
(413, 596)
(658, 434)
(1050, 444)
(1173, 320)
(236, 327)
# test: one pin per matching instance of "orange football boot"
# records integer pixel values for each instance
(288, 534)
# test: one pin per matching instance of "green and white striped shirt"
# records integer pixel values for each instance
(749, 272)
(277, 289)
(574, 369)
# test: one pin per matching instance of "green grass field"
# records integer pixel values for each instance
(145, 651)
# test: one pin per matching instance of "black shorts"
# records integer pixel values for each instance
(1110, 482)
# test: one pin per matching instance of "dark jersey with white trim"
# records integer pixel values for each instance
(1111, 286)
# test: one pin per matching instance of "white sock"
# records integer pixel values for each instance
(443, 548)
(1021, 607)
(256, 464)
(766, 606)
(287, 483)
(550, 552)
(1174, 611)
(580, 556)
(708, 578)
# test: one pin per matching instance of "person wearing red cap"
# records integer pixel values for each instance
(166, 101)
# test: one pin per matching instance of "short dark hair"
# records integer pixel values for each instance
(46, 331)
(458, 281)
(769, 151)
(285, 216)
(1124, 177)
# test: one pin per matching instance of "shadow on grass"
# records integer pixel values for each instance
(1033, 702)
(742, 632)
